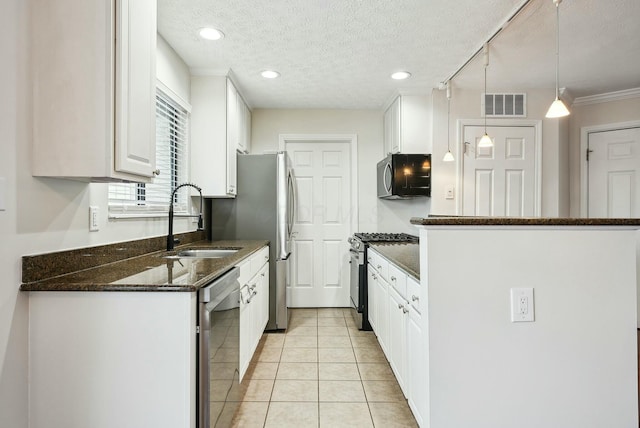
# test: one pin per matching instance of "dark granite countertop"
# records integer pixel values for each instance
(530, 221)
(405, 256)
(146, 272)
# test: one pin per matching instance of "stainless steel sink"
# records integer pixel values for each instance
(204, 253)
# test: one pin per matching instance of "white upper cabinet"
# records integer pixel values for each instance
(94, 89)
(220, 123)
(407, 125)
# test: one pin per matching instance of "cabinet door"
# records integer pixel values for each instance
(372, 298)
(396, 130)
(397, 336)
(382, 309)
(135, 142)
(264, 300)
(247, 128)
(388, 132)
(417, 366)
(232, 138)
(245, 332)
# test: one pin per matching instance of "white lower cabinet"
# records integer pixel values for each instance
(417, 377)
(398, 336)
(398, 321)
(254, 304)
(112, 359)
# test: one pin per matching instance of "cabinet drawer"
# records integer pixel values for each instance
(245, 272)
(380, 264)
(413, 293)
(259, 259)
(398, 279)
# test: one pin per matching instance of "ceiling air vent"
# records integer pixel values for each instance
(504, 105)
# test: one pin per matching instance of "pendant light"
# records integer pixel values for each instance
(448, 157)
(485, 141)
(557, 108)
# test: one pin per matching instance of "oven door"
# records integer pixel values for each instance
(356, 261)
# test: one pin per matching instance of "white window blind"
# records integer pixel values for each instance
(172, 136)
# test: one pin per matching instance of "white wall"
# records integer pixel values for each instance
(575, 366)
(41, 215)
(465, 104)
(172, 71)
(590, 115)
(374, 214)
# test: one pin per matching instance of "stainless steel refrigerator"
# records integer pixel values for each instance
(262, 209)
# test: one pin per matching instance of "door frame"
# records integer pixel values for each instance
(584, 165)
(352, 140)
(535, 124)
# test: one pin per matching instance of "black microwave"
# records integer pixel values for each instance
(403, 176)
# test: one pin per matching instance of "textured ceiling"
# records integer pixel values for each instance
(340, 53)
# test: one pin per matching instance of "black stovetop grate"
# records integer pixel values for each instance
(386, 237)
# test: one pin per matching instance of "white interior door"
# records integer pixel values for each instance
(320, 260)
(500, 180)
(614, 173)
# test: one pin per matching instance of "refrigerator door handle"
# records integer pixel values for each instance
(291, 203)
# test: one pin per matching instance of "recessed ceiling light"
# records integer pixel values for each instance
(401, 75)
(270, 74)
(208, 33)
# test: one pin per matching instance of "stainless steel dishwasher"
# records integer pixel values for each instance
(218, 350)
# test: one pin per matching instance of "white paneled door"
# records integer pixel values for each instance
(500, 180)
(614, 173)
(320, 265)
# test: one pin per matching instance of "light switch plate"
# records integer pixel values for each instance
(522, 306)
(3, 193)
(93, 219)
(448, 192)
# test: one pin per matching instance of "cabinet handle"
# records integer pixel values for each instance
(400, 306)
(404, 310)
(379, 267)
(156, 172)
(262, 274)
(374, 276)
(414, 298)
(393, 278)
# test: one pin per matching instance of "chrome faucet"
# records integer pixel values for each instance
(170, 240)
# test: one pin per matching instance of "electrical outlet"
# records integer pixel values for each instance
(93, 219)
(522, 307)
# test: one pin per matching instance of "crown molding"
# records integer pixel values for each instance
(607, 97)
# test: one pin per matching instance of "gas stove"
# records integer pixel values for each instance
(386, 237)
(358, 254)
(360, 240)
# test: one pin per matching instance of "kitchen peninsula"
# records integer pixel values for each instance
(574, 364)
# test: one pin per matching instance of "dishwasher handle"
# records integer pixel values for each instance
(213, 290)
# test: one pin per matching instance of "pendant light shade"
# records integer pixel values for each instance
(448, 157)
(485, 141)
(557, 108)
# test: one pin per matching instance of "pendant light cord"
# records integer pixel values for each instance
(557, 2)
(448, 117)
(485, 99)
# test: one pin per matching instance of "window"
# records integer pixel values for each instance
(172, 136)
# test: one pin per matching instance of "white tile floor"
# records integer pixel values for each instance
(323, 372)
